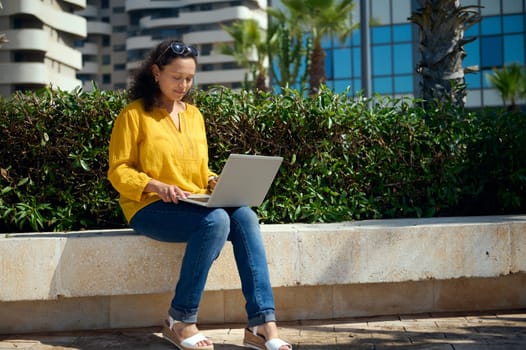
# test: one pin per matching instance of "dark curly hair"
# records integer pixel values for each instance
(143, 84)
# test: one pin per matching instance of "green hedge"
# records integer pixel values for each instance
(344, 158)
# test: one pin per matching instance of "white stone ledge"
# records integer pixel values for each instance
(49, 266)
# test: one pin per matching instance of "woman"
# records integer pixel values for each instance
(159, 154)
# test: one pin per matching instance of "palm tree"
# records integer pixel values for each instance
(248, 49)
(320, 18)
(511, 83)
(285, 43)
(442, 24)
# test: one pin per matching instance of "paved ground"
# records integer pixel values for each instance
(470, 331)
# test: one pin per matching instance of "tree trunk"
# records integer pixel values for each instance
(261, 81)
(317, 72)
(442, 24)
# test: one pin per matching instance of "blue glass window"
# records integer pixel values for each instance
(341, 85)
(326, 42)
(357, 85)
(357, 62)
(472, 31)
(403, 59)
(514, 48)
(381, 60)
(490, 25)
(485, 81)
(402, 32)
(381, 35)
(403, 84)
(342, 63)
(473, 53)
(491, 51)
(329, 64)
(383, 86)
(513, 24)
(355, 37)
(473, 80)
(346, 42)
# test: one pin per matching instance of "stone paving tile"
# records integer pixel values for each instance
(467, 331)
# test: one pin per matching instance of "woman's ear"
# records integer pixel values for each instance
(155, 72)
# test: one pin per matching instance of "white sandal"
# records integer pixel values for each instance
(189, 343)
(257, 341)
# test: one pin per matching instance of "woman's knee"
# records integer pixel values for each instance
(245, 216)
(218, 222)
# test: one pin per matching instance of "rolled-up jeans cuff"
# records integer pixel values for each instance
(261, 318)
(182, 316)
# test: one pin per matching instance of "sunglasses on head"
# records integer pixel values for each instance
(180, 49)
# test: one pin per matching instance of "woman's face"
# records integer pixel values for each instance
(176, 78)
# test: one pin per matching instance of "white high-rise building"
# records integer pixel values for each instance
(72, 43)
(40, 51)
(122, 32)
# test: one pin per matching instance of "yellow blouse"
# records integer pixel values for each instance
(148, 145)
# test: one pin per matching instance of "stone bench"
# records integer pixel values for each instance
(116, 279)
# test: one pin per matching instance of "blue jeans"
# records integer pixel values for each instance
(205, 231)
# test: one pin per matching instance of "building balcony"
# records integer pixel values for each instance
(144, 42)
(136, 5)
(202, 17)
(36, 73)
(38, 40)
(98, 27)
(220, 76)
(90, 11)
(68, 23)
(79, 3)
(24, 73)
(89, 49)
(90, 68)
(26, 39)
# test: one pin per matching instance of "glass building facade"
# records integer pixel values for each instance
(500, 41)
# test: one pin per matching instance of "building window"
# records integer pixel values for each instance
(403, 84)
(473, 80)
(206, 49)
(491, 52)
(119, 29)
(513, 24)
(383, 85)
(342, 63)
(119, 47)
(402, 32)
(381, 35)
(403, 59)
(106, 59)
(514, 49)
(106, 78)
(381, 60)
(491, 25)
(120, 86)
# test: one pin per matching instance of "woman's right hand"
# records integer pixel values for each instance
(168, 193)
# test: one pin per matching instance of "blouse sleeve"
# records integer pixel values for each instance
(123, 173)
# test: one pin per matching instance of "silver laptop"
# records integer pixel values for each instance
(244, 180)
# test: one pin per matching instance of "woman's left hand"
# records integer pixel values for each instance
(212, 182)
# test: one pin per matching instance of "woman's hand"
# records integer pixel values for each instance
(168, 193)
(212, 182)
